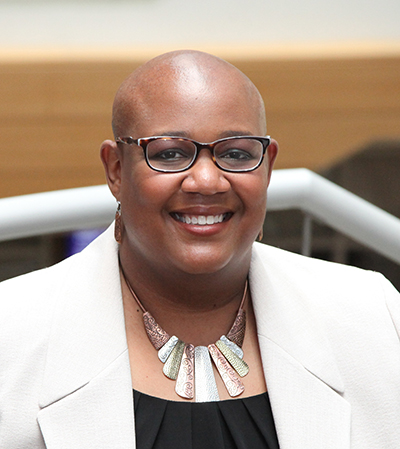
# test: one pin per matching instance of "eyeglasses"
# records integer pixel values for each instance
(176, 154)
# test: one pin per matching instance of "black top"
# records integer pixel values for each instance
(232, 424)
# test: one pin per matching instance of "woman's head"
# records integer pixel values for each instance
(200, 97)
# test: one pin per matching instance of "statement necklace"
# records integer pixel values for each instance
(191, 366)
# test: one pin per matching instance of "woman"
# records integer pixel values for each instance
(315, 340)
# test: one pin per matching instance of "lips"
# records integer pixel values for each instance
(201, 220)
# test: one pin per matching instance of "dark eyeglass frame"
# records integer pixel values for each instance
(144, 141)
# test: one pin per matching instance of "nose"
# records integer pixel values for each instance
(205, 177)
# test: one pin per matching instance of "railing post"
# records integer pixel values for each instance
(306, 244)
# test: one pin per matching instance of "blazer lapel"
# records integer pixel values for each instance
(301, 373)
(98, 415)
(87, 398)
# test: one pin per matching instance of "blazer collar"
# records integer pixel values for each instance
(89, 285)
(87, 397)
(303, 380)
(283, 316)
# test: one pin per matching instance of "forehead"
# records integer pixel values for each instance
(189, 97)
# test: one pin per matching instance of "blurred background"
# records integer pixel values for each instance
(329, 73)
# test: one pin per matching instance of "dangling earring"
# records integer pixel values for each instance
(260, 235)
(118, 224)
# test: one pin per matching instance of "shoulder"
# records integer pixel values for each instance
(358, 311)
(325, 285)
(30, 299)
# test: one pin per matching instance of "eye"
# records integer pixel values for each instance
(170, 155)
(237, 154)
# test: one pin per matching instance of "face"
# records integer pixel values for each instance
(164, 213)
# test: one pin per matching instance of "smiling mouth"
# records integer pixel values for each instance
(201, 220)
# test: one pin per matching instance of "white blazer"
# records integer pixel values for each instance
(327, 334)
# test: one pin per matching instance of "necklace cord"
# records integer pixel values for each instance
(131, 289)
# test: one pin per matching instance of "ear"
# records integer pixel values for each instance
(272, 152)
(111, 156)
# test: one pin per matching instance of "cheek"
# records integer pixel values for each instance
(136, 191)
(253, 191)
(148, 192)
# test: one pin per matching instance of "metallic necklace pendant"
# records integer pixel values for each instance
(165, 351)
(173, 363)
(184, 385)
(238, 364)
(238, 329)
(232, 346)
(155, 332)
(232, 382)
(205, 386)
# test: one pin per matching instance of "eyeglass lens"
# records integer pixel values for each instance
(176, 154)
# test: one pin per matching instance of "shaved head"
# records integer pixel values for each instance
(203, 99)
(190, 75)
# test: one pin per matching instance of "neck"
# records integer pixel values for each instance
(190, 293)
(197, 308)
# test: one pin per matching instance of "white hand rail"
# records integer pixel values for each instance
(57, 211)
(336, 207)
(90, 207)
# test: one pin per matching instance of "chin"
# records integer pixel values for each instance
(211, 262)
(203, 268)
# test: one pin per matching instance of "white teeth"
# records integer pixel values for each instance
(201, 219)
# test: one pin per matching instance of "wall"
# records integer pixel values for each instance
(321, 106)
(328, 72)
(193, 22)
